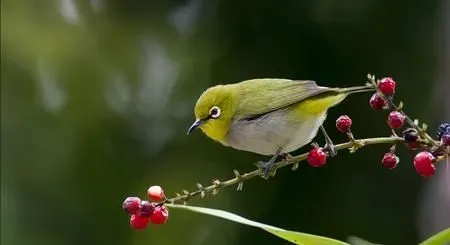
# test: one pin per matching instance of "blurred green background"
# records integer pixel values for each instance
(96, 98)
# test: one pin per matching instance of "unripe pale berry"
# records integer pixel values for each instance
(138, 222)
(316, 157)
(390, 160)
(343, 123)
(396, 120)
(423, 162)
(377, 102)
(131, 205)
(160, 215)
(387, 86)
(155, 193)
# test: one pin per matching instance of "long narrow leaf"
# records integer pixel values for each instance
(291, 236)
(359, 241)
(441, 238)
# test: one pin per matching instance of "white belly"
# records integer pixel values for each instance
(267, 134)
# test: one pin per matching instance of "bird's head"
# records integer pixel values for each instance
(214, 111)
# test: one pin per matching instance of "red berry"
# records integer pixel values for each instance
(160, 215)
(390, 160)
(343, 123)
(445, 139)
(155, 193)
(387, 86)
(423, 162)
(316, 157)
(395, 119)
(139, 222)
(131, 205)
(147, 209)
(377, 102)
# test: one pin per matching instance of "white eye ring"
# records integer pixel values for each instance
(214, 112)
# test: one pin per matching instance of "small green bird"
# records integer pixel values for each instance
(267, 116)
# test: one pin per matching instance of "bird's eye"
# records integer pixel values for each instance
(214, 112)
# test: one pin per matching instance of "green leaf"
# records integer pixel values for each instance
(291, 236)
(441, 238)
(359, 241)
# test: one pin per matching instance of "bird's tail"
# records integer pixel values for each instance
(356, 89)
(331, 97)
(337, 95)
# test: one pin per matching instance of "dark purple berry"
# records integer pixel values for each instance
(443, 128)
(410, 135)
(146, 209)
(445, 139)
(132, 205)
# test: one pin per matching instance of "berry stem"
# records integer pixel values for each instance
(239, 179)
(421, 131)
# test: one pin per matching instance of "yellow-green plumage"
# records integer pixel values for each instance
(263, 115)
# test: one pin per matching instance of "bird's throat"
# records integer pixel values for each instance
(215, 130)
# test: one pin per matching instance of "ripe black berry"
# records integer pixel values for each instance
(443, 128)
(410, 135)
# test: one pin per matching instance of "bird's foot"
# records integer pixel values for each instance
(328, 143)
(268, 169)
(286, 157)
(331, 149)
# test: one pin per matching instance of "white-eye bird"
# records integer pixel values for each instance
(267, 116)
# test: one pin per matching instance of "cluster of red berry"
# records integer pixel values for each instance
(144, 212)
(423, 161)
(317, 157)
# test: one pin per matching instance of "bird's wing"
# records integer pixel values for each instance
(261, 96)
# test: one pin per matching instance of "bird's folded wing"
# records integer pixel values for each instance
(258, 97)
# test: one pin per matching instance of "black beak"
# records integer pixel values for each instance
(195, 125)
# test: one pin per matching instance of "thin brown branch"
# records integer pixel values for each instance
(352, 145)
(240, 178)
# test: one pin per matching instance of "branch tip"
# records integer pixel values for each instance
(237, 174)
(240, 186)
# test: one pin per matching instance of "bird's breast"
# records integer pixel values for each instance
(285, 129)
